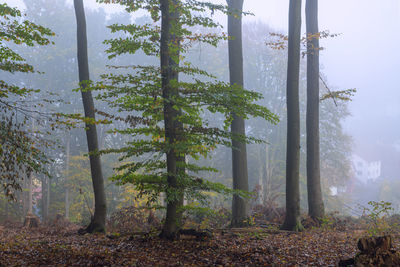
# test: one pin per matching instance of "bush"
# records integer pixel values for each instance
(132, 219)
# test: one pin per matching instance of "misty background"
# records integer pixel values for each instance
(364, 56)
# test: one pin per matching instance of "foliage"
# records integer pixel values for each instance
(328, 221)
(377, 214)
(19, 147)
(280, 41)
(79, 184)
(265, 69)
(137, 92)
(81, 195)
(59, 77)
(345, 95)
(199, 217)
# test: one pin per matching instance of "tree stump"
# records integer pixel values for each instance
(374, 251)
(31, 221)
(369, 245)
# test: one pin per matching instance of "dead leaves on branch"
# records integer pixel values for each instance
(280, 40)
(345, 95)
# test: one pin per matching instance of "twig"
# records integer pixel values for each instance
(329, 90)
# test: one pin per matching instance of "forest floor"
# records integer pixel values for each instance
(55, 246)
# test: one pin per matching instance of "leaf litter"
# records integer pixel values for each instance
(52, 246)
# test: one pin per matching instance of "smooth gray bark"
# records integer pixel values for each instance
(45, 194)
(292, 219)
(98, 221)
(30, 193)
(240, 205)
(68, 149)
(173, 128)
(25, 193)
(315, 201)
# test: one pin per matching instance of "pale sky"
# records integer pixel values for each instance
(366, 56)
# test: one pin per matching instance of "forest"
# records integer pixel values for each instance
(178, 133)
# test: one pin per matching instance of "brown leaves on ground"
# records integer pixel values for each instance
(248, 247)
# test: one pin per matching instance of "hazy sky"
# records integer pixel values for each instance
(366, 56)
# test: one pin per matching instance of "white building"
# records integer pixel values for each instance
(365, 171)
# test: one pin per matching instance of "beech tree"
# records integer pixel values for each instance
(165, 116)
(20, 149)
(315, 202)
(239, 156)
(292, 219)
(98, 221)
(169, 62)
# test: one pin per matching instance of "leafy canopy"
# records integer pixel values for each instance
(136, 94)
(19, 152)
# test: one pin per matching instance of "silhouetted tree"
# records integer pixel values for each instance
(315, 202)
(98, 221)
(239, 155)
(292, 219)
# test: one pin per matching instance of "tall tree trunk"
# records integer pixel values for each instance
(48, 184)
(292, 219)
(67, 152)
(315, 202)
(45, 193)
(261, 174)
(98, 221)
(240, 205)
(30, 193)
(25, 194)
(169, 61)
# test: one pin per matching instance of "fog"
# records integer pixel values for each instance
(363, 56)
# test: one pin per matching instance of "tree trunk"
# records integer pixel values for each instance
(315, 202)
(292, 219)
(67, 152)
(261, 174)
(48, 184)
(25, 193)
(30, 187)
(98, 221)
(169, 60)
(240, 205)
(45, 193)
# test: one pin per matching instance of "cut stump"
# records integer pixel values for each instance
(370, 245)
(31, 221)
(374, 251)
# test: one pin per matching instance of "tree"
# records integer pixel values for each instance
(266, 71)
(315, 202)
(60, 78)
(240, 207)
(98, 221)
(20, 148)
(169, 61)
(292, 219)
(165, 116)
